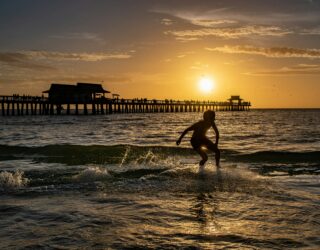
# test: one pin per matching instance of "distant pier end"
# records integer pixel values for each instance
(90, 98)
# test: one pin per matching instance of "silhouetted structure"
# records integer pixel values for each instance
(84, 97)
(116, 96)
(235, 102)
(80, 93)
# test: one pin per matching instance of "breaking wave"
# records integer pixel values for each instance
(120, 154)
(92, 174)
(130, 167)
(12, 181)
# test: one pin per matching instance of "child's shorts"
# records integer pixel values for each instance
(203, 141)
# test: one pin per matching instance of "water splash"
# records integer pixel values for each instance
(125, 156)
(148, 159)
(92, 173)
(12, 181)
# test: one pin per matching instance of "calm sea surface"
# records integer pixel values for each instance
(120, 182)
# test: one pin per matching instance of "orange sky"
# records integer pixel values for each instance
(266, 52)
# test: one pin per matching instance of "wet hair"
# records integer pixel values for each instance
(209, 115)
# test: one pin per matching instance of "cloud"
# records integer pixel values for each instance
(314, 31)
(185, 54)
(272, 13)
(63, 56)
(81, 36)
(31, 59)
(21, 60)
(300, 69)
(211, 22)
(275, 52)
(166, 21)
(199, 66)
(16, 58)
(230, 33)
(13, 57)
(205, 19)
(187, 39)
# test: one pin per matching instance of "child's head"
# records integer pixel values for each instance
(209, 116)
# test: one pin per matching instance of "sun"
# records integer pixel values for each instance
(206, 84)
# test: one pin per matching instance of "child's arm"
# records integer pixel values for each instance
(184, 133)
(217, 133)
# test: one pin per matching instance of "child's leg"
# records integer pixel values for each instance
(203, 156)
(217, 156)
(213, 147)
(196, 144)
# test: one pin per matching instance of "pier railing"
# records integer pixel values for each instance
(39, 105)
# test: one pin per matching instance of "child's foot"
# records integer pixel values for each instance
(201, 169)
(202, 162)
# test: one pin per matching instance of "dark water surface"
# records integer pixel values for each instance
(119, 182)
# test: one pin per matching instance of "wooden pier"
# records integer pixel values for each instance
(17, 105)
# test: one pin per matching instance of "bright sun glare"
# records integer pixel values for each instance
(206, 84)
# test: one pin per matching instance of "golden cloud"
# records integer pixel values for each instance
(31, 59)
(276, 52)
(300, 69)
(230, 33)
(20, 60)
(211, 22)
(61, 56)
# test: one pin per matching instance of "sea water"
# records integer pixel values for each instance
(120, 182)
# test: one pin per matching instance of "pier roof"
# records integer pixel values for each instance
(235, 98)
(58, 87)
(79, 88)
(91, 87)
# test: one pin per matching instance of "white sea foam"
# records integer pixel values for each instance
(92, 173)
(12, 181)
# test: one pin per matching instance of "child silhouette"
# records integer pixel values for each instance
(199, 140)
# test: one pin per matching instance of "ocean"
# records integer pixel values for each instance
(120, 182)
